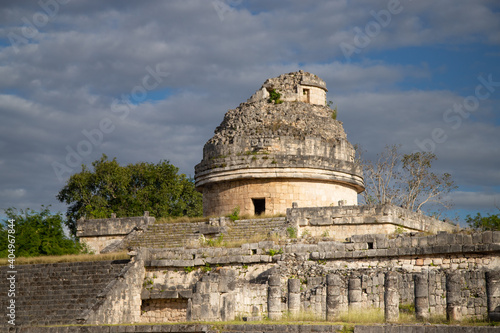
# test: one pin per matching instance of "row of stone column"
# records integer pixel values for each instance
(334, 305)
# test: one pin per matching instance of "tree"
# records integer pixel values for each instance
(36, 234)
(483, 223)
(404, 180)
(420, 186)
(380, 176)
(129, 191)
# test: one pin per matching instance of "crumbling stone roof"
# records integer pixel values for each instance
(262, 134)
(294, 119)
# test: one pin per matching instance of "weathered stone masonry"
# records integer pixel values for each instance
(264, 155)
(423, 272)
(444, 274)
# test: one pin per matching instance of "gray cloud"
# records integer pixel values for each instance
(64, 81)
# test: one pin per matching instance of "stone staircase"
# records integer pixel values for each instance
(56, 294)
(246, 229)
(168, 235)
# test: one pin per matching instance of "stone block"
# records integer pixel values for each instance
(145, 294)
(455, 248)
(495, 237)
(487, 237)
(358, 254)
(265, 258)
(477, 238)
(392, 252)
(167, 294)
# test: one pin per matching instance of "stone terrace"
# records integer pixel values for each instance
(169, 235)
(54, 294)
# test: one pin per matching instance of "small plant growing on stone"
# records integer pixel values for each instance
(399, 230)
(235, 215)
(291, 232)
(189, 269)
(206, 268)
(334, 110)
(273, 252)
(274, 96)
(147, 282)
(325, 234)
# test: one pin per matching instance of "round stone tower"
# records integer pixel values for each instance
(282, 146)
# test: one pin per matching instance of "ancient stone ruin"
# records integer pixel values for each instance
(280, 152)
(267, 154)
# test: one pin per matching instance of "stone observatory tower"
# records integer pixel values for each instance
(282, 146)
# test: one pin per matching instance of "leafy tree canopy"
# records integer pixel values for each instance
(129, 191)
(483, 223)
(36, 234)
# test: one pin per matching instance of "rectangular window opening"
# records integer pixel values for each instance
(259, 206)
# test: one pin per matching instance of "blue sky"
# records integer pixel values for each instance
(183, 64)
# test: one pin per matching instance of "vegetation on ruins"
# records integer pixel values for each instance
(36, 234)
(275, 96)
(334, 110)
(483, 223)
(129, 191)
(405, 180)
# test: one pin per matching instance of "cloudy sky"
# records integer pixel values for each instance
(150, 81)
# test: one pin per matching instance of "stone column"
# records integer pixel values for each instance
(422, 296)
(294, 296)
(493, 294)
(453, 287)
(274, 298)
(354, 292)
(333, 296)
(391, 297)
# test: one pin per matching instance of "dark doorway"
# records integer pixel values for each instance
(259, 206)
(307, 96)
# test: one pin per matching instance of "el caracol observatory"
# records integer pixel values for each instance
(282, 146)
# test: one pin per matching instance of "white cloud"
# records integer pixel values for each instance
(65, 80)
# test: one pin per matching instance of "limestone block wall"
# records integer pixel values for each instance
(279, 194)
(227, 283)
(100, 234)
(207, 293)
(265, 328)
(340, 222)
(120, 301)
(163, 310)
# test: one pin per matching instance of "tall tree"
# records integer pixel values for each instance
(404, 179)
(36, 233)
(129, 191)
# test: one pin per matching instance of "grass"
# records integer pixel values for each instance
(363, 316)
(66, 258)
